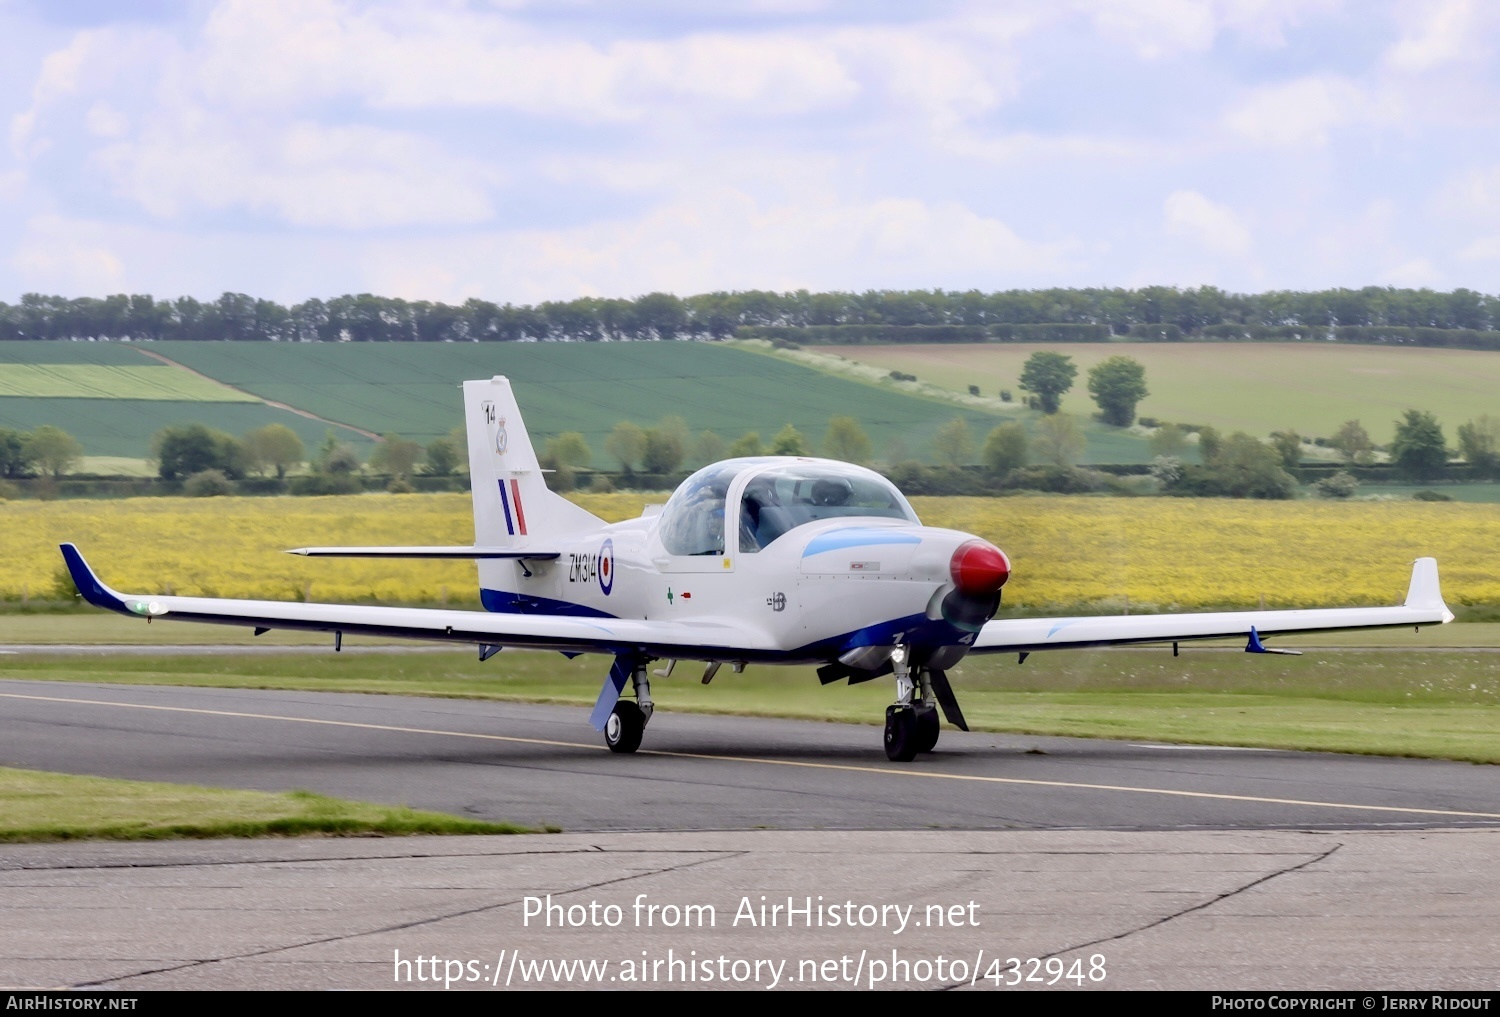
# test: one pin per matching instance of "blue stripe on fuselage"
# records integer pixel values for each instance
(838, 540)
(915, 630)
(505, 602)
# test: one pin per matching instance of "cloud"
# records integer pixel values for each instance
(1156, 28)
(1416, 272)
(1483, 249)
(104, 121)
(420, 55)
(720, 236)
(1438, 33)
(302, 173)
(1212, 226)
(1164, 28)
(1473, 194)
(1299, 112)
(56, 256)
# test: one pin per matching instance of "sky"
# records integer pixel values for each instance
(522, 152)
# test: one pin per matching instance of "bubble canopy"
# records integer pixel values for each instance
(765, 498)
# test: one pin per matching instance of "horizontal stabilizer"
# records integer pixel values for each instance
(461, 553)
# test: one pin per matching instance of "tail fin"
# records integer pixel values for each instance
(512, 506)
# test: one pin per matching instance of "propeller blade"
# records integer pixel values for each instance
(947, 700)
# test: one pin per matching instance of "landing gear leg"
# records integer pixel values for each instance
(627, 721)
(927, 713)
(903, 732)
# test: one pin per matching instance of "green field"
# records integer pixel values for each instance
(123, 427)
(1255, 387)
(113, 398)
(101, 381)
(106, 353)
(410, 389)
(1104, 444)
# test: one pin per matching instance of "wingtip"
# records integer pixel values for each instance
(1425, 591)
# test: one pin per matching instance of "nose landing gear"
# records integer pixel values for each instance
(911, 723)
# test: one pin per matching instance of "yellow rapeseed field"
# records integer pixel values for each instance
(1159, 553)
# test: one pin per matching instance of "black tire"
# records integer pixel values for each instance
(900, 734)
(626, 725)
(927, 727)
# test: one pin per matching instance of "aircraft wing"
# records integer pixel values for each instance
(453, 553)
(1424, 606)
(687, 640)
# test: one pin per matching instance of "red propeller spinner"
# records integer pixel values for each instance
(979, 568)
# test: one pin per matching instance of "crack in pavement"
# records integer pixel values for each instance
(1172, 917)
(106, 982)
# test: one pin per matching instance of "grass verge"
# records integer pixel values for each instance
(37, 806)
(1434, 703)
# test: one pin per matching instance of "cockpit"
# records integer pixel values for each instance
(777, 496)
(785, 496)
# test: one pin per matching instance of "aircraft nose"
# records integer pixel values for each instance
(979, 568)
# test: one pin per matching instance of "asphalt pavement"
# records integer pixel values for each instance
(775, 854)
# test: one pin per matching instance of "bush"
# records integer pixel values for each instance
(1430, 496)
(399, 485)
(1167, 470)
(1058, 480)
(1341, 485)
(327, 483)
(1005, 395)
(973, 390)
(602, 484)
(207, 484)
(916, 478)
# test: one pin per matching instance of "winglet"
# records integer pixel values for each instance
(88, 584)
(1425, 593)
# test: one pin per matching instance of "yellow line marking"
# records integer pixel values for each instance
(846, 767)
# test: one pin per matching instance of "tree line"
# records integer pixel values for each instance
(1372, 313)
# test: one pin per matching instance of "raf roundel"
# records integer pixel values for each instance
(607, 567)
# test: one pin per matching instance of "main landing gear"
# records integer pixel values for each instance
(627, 721)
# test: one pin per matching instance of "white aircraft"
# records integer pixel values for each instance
(774, 560)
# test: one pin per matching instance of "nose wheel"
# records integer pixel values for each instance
(910, 729)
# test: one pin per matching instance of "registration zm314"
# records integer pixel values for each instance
(855, 583)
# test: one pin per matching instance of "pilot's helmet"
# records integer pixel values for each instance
(831, 491)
